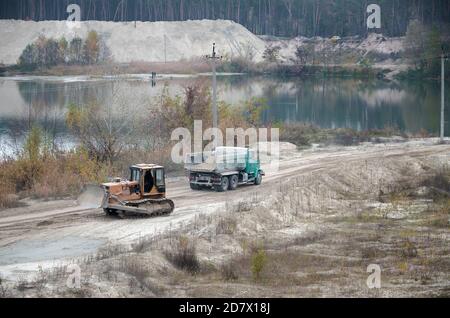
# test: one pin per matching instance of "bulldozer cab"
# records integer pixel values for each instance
(150, 179)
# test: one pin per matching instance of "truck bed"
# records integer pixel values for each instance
(215, 167)
(221, 161)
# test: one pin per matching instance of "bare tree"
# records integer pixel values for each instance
(105, 129)
(272, 53)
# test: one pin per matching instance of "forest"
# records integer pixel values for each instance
(284, 18)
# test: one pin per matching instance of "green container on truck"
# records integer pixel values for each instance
(223, 169)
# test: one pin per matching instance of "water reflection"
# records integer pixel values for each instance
(356, 104)
(330, 103)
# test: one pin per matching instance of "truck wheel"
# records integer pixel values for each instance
(110, 212)
(195, 186)
(224, 183)
(234, 182)
(258, 179)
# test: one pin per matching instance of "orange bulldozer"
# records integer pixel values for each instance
(143, 195)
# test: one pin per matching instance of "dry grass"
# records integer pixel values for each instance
(50, 176)
(8, 198)
(226, 225)
(372, 253)
(408, 249)
(4, 290)
(140, 273)
(181, 67)
(132, 265)
(439, 180)
(183, 255)
(228, 272)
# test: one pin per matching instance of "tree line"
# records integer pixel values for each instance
(423, 47)
(270, 17)
(50, 52)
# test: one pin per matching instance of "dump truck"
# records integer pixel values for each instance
(143, 195)
(224, 168)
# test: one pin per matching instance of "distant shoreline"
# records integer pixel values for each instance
(196, 68)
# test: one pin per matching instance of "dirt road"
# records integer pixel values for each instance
(43, 233)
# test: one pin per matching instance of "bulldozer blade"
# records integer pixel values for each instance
(91, 197)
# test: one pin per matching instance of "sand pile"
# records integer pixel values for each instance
(148, 41)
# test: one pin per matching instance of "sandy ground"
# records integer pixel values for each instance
(49, 233)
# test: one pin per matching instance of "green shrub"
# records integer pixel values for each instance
(259, 260)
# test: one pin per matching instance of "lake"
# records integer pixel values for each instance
(410, 106)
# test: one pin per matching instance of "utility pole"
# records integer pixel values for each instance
(213, 58)
(165, 49)
(442, 94)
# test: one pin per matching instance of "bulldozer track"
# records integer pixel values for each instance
(124, 211)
